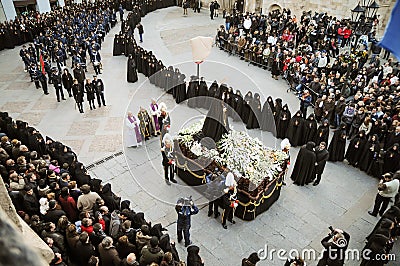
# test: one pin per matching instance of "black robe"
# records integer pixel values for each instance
(337, 146)
(310, 129)
(392, 160)
(216, 122)
(295, 129)
(237, 105)
(355, 148)
(267, 116)
(304, 167)
(246, 107)
(370, 151)
(322, 134)
(131, 71)
(181, 89)
(211, 94)
(255, 113)
(192, 93)
(203, 93)
(283, 122)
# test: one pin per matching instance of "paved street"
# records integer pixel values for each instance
(300, 218)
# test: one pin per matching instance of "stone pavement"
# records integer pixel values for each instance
(299, 219)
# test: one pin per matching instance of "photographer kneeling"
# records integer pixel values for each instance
(335, 245)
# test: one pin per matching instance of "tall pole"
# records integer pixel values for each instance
(198, 71)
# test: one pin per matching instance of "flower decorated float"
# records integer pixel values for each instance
(258, 169)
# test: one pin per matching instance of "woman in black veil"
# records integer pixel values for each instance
(255, 113)
(237, 105)
(132, 73)
(267, 115)
(216, 123)
(246, 107)
(283, 122)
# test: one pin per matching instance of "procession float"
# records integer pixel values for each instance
(258, 170)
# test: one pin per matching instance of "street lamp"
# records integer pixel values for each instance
(372, 9)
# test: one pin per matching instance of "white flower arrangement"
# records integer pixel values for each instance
(238, 152)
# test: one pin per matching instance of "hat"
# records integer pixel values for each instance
(52, 204)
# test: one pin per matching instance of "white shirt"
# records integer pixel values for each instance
(392, 187)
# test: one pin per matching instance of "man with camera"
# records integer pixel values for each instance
(387, 189)
(335, 245)
(185, 208)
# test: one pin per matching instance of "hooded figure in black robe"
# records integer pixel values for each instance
(228, 99)
(193, 92)
(216, 123)
(310, 129)
(267, 116)
(295, 129)
(322, 133)
(304, 167)
(392, 159)
(369, 153)
(132, 73)
(237, 105)
(356, 146)
(181, 89)
(277, 109)
(283, 122)
(246, 107)
(203, 93)
(338, 144)
(212, 91)
(255, 113)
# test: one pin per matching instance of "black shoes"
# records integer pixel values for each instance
(371, 213)
(232, 222)
(188, 244)
(174, 181)
(217, 215)
(224, 226)
(315, 184)
(167, 181)
(210, 213)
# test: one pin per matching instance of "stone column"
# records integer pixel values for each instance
(43, 6)
(8, 9)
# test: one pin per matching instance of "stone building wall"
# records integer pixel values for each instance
(338, 8)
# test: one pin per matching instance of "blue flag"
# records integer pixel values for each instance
(391, 39)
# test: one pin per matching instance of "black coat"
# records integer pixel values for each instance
(370, 151)
(303, 170)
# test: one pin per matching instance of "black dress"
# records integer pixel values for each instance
(295, 129)
(304, 167)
